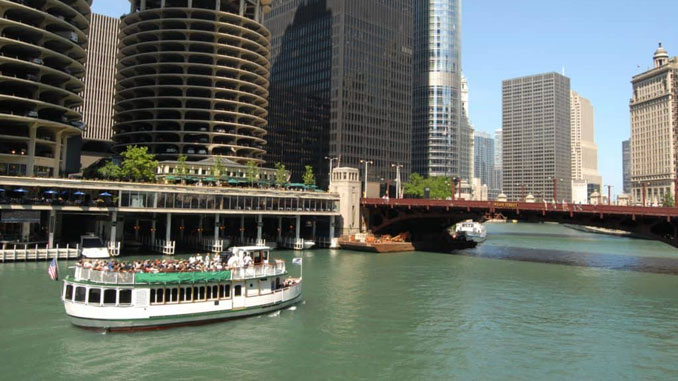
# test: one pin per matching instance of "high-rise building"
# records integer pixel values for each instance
(442, 137)
(536, 137)
(43, 49)
(626, 165)
(341, 85)
(466, 151)
(484, 158)
(498, 152)
(654, 126)
(193, 79)
(584, 148)
(99, 93)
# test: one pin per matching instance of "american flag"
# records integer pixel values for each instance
(53, 270)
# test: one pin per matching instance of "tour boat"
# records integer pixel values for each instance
(116, 301)
(92, 247)
(472, 230)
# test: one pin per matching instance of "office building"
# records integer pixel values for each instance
(442, 137)
(484, 158)
(193, 79)
(654, 123)
(584, 149)
(626, 165)
(498, 151)
(43, 48)
(99, 94)
(341, 86)
(536, 137)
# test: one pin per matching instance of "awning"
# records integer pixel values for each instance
(105, 194)
(51, 192)
(78, 193)
(21, 190)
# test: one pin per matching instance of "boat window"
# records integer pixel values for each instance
(80, 294)
(173, 296)
(125, 297)
(94, 296)
(277, 283)
(110, 296)
(201, 293)
(215, 291)
(159, 295)
(237, 290)
(189, 294)
(209, 292)
(69, 292)
(182, 294)
(224, 291)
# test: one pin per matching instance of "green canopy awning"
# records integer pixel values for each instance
(192, 277)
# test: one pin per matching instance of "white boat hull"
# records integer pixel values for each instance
(95, 253)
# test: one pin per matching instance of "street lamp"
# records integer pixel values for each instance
(609, 200)
(555, 187)
(522, 190)
(397, 166)
(365, 162)
(331, 159)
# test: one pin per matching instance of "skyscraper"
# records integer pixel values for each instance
(442, 138)
(341, 85)
(584, 149)
(626, 165)
(536, 137)
(498, 160)
(193, 79)
(654, 122)
(43, 48)
(484, 158)
(99, 93)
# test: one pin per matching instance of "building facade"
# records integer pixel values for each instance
(654, 126)
(497, 175)
(626, 165)
(341, 86)
(193, 79)
(99, 94)
(442, 138)
(584, 148)
(536, 137)
(484, 159)
(43, 48)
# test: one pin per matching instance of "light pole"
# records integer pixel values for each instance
(555, 187)
(522, 190)
(609, 200)
(397, 167)
(331, 159)
(365, 162)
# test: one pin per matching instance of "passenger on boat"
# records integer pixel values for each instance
(247, 260)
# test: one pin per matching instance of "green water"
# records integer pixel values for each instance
(395, 316)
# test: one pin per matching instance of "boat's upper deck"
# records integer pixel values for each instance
(146, 278)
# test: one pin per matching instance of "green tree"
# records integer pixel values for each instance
(281, 174)
(667, 200)
(252, 172)
(138, 164)
(415, 187)
(218, 168)
(439, 187)
(309, 177)
(110, 171)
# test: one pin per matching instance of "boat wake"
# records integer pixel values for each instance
(293, 308)
(275, 314)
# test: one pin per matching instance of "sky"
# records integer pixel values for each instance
(600, 44)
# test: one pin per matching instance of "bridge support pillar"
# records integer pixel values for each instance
(181, 229)
(313, 231)
(260, 226)
(297, 229)
(136, 229)
(279, 228)
(153, 227)
(168, 228)
(52, 227)
(216, 227)
(200, 226)
(114, 222)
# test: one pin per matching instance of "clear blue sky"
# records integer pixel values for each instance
(600, 43)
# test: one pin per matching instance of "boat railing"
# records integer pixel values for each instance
(239, 273)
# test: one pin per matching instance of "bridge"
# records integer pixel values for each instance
(427, 220)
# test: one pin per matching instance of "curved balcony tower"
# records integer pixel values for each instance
(193, 79)
(42, 57)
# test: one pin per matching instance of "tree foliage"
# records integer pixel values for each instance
(110, 171)
(309, 177)
(281, 174)
(667, 200)
(218, 167)
(138, 164)
(440, 188)
(252, 172)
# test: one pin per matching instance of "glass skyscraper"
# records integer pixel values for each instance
(341, 85)
(441, 144)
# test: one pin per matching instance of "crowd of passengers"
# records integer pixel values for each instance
(193, 264)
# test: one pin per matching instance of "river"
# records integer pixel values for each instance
(573, 305)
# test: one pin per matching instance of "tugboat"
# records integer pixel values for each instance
(156, 294)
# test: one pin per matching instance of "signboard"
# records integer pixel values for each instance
(19, 216)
